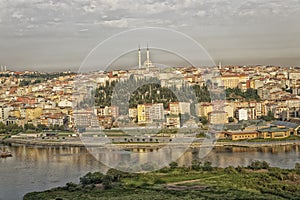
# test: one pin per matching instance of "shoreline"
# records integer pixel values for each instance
(148, 145)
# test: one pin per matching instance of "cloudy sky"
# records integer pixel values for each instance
(59, 34)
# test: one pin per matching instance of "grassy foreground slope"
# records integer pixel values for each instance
(199, 181)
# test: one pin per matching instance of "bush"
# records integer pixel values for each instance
(256, 165)
(107, 182)
(207, 166)
(240, 169)
(196, 165)
(173, 165)
(297, 168)
(278, 175)
(164, 170)
(230, 170)
(71, 187)
(92, 178)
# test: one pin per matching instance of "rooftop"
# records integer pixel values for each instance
(273, 129)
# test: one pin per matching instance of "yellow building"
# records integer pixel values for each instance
(174, 108)
(274, 132)
(15, 113)
(141, 113)
(33, 113)
(144, 113)
(231, 81)
(241, 135)
(204, 108)
(173, 121)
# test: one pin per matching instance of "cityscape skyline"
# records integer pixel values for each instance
(49, 36)
(149, 99)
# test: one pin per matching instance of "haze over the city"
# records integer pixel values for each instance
(57, 35)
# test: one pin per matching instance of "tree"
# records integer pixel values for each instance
(196, 165)
(24, 83)
(29, 127)
(203, 120)
(107, 182)
(230, 119)
(256, 165)
(116, 175)
(207, 166)
(41, 127)
(92, 178)
(173, 165)
(269, 117)
(297, 168)
(249, 94)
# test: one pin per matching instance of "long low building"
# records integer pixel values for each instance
(241, 135)
(294, 127)
(271, 132)
(274, 132)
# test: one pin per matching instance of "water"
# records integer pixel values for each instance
(38, 168)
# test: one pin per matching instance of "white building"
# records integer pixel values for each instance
(65, 103)
(157, 111)
(242, 114)
(4, 112)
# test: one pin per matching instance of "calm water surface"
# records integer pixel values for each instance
(39, 168)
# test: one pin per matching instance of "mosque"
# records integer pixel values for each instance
(147, 64)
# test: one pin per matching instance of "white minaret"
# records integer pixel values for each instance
(220, 65)
(140, 60)
(5, 68)
(148, 57)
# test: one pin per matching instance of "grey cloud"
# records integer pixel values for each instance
(44, 20)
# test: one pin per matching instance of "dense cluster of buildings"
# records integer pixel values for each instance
(51, 103)
(48, 103)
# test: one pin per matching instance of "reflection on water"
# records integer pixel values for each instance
(39, 168)
(279, 156)
(34, 169)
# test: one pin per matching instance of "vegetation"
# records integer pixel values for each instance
(230, 119)
(203, 120)
(12, 129)
(146, 91)
(31, 79)
(268, 117)
(198, 181)
(249, 94)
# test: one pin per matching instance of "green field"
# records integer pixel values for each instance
(199, 181)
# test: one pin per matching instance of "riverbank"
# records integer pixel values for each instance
(199, 181)
(199, 143)
(47, 167)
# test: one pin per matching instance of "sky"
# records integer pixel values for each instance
(59, 34)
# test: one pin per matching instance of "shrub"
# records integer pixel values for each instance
(91, 178)
(256, 165)
(107, 182)
(196, 165)
(71, 187)
(297, 168)
(173, 165)
(207, 166)
(230, 170)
